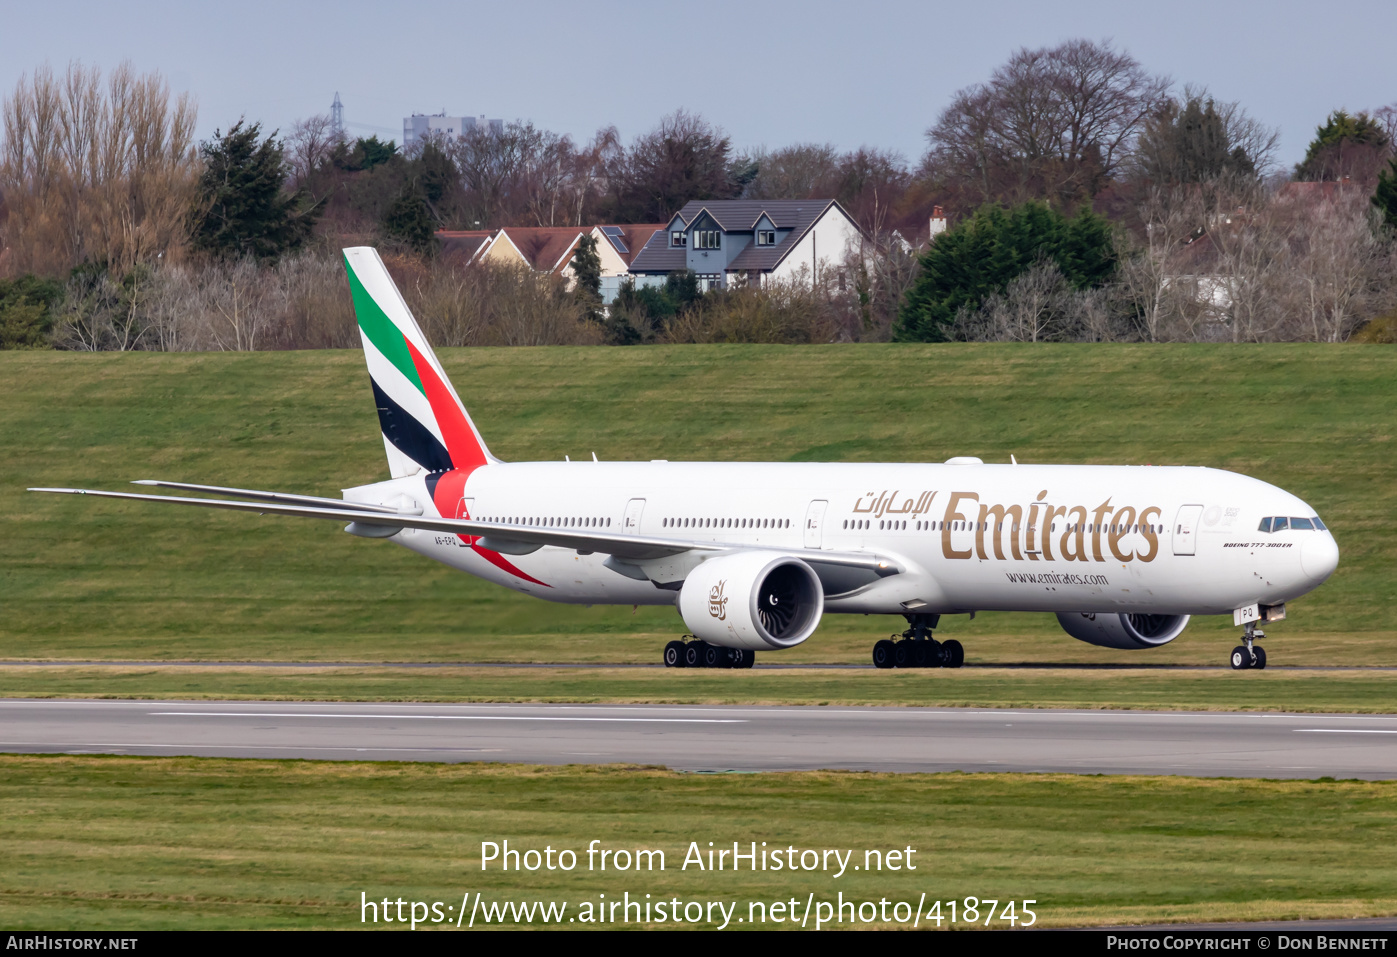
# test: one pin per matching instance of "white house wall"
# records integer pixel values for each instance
(830, 239)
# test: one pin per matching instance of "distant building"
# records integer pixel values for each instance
(419, 125)
(550, 249)
(736, 242)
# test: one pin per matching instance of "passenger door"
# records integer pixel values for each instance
(815, 523)
(630, 522)
(1186, 530)
(465, 509)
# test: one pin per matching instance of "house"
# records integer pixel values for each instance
(736, 242)
(550, 249)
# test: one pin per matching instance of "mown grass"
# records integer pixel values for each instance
(84, 579)
(145, 843)
(1364, 691)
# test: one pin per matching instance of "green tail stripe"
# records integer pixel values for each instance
(380, 329)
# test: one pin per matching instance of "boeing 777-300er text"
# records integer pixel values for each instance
(753, 554)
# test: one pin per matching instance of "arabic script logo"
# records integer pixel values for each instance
(717, 604)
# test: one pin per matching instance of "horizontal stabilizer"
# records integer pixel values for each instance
(285, 497)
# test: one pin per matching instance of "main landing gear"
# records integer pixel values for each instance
(700, 654)
(1247, 654)
(917, 649)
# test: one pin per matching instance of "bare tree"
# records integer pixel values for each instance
(1052, 123)
(94, 174)
(683, 159)
(310, 146)
(802, 171)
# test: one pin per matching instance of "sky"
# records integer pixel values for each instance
(768, 72)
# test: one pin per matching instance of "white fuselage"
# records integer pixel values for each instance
(1049, 538)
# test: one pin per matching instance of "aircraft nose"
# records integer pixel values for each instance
(1319, 556)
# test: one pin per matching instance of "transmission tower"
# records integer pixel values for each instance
(337, 117)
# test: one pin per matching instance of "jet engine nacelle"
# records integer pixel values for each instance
(752, 600)
(1123, 631)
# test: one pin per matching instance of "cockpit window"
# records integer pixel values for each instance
(1279, 523)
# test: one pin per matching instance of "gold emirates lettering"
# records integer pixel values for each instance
(1029, 533)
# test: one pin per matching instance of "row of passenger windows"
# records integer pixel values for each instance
(727, 523)
(553, 521)
(858, 524)
(1280, 523)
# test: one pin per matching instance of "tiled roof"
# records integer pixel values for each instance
(462, 243)
(632, 236)
(544, 246)
(739, 215)
(657, 256)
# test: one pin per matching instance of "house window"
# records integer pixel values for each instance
(766, 237)
(677, 238)
(708, 239)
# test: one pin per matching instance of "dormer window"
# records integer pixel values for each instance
(677, 238)
(708, 239)
(766, 237)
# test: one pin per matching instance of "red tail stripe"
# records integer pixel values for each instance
(465, 450)
(450, 490)
(499, 561)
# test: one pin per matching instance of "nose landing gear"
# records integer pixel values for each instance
(915, 648)
(1249, 655)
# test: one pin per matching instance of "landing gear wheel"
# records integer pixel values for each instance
(693, 654)
(674, 655)
(1240, 659)
(921, 654)
(902, 653)
(745, 658)
(952, 654)
(713, 656)
(1260, 656)
(883, 654)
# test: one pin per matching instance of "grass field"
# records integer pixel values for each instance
(82, 579)
(126, 843)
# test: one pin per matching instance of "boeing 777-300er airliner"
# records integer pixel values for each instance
(753, 554)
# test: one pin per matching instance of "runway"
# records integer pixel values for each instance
(713, 738)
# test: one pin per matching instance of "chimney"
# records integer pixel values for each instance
(938, 222)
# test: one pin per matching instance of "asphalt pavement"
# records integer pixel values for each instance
(708, 738)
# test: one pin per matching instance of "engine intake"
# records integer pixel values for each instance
(752, 600)
(1123, 631)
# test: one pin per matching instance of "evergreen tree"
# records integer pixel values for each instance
(372, 152)
(983, 254)
(1343, 142)
(1385, 198)
(409, 219)
(1190, 144)
(586, 266)
(26, 311)
(242, 208)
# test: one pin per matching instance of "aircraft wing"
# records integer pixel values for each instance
(630, 548)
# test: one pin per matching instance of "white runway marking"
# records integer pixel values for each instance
(1341, 731)
(438, 717)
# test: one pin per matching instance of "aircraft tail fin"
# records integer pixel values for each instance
(425, 426)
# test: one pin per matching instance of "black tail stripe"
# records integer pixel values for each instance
(408, 435)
